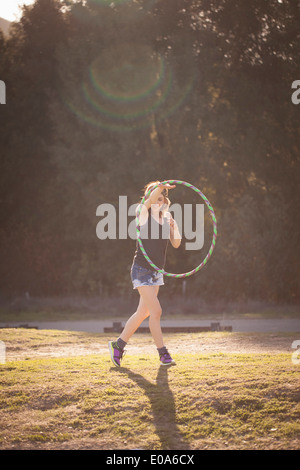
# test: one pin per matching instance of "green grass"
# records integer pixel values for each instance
(213, 400)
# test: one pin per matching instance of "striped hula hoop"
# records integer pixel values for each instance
(213, 243)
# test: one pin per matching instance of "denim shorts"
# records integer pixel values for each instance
(145, 277)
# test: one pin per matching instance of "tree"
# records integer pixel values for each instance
(26, 165)
(136, 91)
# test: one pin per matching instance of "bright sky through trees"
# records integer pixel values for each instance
(9, 9)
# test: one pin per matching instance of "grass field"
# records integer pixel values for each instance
(59, 390)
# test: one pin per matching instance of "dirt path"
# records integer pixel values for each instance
(51, 343)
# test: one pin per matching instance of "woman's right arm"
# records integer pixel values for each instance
(154, 195)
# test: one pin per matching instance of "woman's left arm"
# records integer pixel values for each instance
(175, 236)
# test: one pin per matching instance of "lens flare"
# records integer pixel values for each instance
(125, 86)
(128, 81)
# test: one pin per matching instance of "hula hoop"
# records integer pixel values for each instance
(214, 220)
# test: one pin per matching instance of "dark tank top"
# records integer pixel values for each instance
(155, 238)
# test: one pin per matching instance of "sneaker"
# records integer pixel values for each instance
(166, 360)
(116, 353)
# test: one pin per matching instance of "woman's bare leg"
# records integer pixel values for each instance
(135, 320)
(150, 301)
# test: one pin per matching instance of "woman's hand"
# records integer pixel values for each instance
(175, 236)
(167, 186)
(171, 221)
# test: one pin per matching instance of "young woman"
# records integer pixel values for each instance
(157, 227)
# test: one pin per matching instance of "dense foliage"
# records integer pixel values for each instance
(103, 97)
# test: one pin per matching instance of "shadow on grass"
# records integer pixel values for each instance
(162, 406)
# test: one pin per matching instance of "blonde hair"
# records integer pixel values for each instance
(167, 202)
